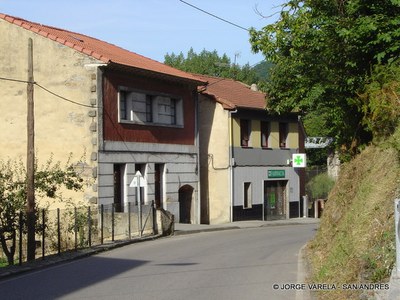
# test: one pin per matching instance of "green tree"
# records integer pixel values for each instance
(323, 53)
(49, 178)
(210, 63)
(380, 101)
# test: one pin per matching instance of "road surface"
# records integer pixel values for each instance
(231, 264)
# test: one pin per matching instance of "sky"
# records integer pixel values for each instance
(154, 28)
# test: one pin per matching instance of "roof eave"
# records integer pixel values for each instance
(152, 73)
(226, 104)
(251, 107)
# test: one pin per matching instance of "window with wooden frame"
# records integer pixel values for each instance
(265, 131)
(152, 109)
(245, 132)
(283, 135)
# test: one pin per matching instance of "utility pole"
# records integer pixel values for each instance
(30, 161)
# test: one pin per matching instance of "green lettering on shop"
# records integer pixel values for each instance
(276, 173)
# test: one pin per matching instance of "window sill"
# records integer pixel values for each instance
(125, 122)
(246, 147)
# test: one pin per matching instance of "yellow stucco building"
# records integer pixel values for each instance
(246, 171)
(62, 128)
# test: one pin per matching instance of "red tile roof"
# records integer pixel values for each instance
(232, 94)
(98, 49)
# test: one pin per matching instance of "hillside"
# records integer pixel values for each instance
(355, 242)
(262, 69)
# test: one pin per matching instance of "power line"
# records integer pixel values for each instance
(48, 91)
(76, 103)
(63, 98)
(219, 18)
(15, 80)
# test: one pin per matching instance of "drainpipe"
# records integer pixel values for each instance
(98, 141)
(231, 163)
(99, 103)
(197, 142)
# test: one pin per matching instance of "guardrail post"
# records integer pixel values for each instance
(58, 232)
(102, 224)
(154, 216)
(139, 202)
(397, 224)
(76, 228)
(43, 233)
(305, 206)
(89, 227)
(21, 227)
(112, 221)
(129, 220)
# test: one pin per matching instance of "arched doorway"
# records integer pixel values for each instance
(185, 203)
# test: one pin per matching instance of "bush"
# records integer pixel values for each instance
(320, 186)
(49, 180)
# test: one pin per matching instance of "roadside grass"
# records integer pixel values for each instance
(356, 241)
(3, 262)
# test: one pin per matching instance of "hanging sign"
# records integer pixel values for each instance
(299, 160)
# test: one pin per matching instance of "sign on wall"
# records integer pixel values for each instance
(299, 160)
(276, 174)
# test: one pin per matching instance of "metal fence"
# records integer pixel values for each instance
(64, 230)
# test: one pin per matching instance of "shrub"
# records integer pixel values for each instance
(320, 186)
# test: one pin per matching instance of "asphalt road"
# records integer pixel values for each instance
(232, 264)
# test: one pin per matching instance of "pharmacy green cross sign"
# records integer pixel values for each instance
(299, 160)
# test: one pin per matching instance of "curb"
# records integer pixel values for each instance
(185, 232)
(285, 224)
(303, 273)
(221, 228)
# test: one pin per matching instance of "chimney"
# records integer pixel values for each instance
(254, 87)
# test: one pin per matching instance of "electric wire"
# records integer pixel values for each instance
(215, 16)
(49, 91)
(15, 80)
(76, 103)
(63, 98)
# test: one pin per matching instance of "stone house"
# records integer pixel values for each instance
(115, 111)
(245, 154)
